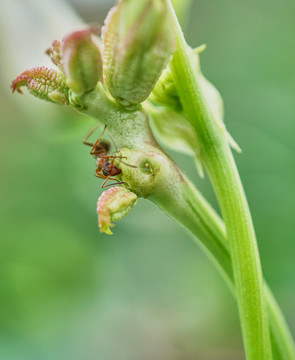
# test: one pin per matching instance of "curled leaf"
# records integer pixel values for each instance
(112, 205)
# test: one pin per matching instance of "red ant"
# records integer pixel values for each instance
(105, 169)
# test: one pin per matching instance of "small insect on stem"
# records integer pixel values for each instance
(105, 168)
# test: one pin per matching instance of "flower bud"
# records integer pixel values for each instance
(81, 61)
(112, 205)
(178, 134)
(44, 83)
(175, 132)
(137, 45)
(165, 93)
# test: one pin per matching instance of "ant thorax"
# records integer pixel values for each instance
(106, 168)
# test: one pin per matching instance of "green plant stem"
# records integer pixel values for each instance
(118, 120)
(181, 201)
(221, 167)
(196, 215)
(281, 339)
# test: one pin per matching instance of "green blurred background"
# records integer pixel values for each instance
(147, 292)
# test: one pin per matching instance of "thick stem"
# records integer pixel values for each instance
(224, 176)
(127, 128)
(281, 339)
(186, 205)
(162, 183)
(195, 214)
(177, 197)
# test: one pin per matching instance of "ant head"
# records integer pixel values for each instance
(109, 169)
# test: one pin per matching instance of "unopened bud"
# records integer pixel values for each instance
(170, 122)
(165, 93)
(175, 132)
(137, 45)
(81, 60)
(44, 83)
(112, 205)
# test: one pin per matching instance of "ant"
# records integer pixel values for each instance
(105, 169)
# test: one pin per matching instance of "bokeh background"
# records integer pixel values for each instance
(147, 292)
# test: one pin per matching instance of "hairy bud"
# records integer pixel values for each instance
(44, 83)
(112, 205)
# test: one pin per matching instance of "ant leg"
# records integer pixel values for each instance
(109, 178)
(106, 179)
(96, 149)
(90, 132)
(101, 176)
(98, 174)
(116, 183)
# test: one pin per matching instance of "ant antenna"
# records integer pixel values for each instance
(123, 162)
(116, 147)
(132, 166)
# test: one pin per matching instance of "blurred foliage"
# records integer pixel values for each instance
(147, 292)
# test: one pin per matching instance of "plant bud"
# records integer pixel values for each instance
(112, 205)
(81, 61)
(137, 45)
(44, 83)
(165, 94)
(173, 129)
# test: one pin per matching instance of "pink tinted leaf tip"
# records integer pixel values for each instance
(41, 82)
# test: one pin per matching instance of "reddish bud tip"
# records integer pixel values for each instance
(81, 60)
(54, 54)
(112, 205)
(41, 82)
